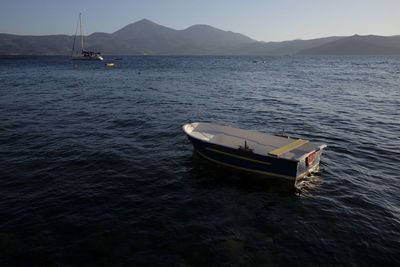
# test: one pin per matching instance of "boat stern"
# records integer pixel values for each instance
(309, 162)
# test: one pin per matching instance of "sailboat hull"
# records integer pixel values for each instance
(83, 57)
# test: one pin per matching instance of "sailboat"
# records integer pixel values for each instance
(83, 54)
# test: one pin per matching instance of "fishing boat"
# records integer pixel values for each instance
(83, 54)
(271, 155)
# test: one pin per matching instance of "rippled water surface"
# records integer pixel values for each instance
(96, 171)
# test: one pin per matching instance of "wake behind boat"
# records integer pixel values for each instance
(82, 54)
(271, 155)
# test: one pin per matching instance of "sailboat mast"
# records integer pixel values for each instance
(80, 24)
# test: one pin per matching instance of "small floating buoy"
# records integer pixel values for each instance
(109, 64)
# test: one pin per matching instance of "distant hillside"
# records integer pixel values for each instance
(35, 45)
(358, 45)
(294, 47)
(145, 37)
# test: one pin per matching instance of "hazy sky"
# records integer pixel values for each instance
(264, 20)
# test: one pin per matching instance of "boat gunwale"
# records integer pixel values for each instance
(238, 149)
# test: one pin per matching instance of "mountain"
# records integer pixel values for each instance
(145, 37)
(210, 36)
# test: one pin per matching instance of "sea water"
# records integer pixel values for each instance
(95, 169)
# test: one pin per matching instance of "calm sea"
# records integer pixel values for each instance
(95, 169)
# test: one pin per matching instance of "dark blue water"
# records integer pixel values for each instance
(95, 170)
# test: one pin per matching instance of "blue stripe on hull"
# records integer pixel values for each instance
(246, 160)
